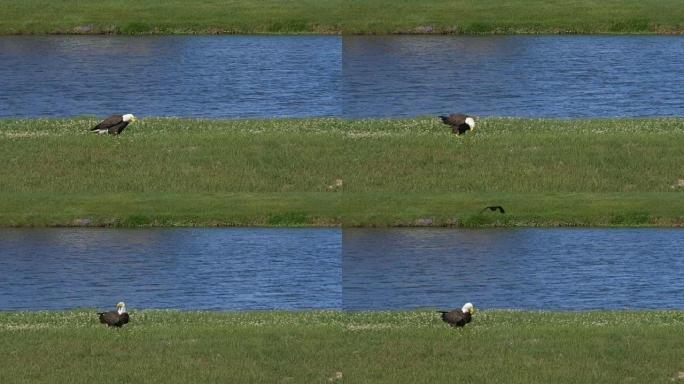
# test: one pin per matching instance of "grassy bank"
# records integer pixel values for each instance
(312, 347)
(336, 16)
(392, 172)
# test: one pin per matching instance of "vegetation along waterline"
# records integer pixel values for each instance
(337, 16)
(329, 172)
(334, 346)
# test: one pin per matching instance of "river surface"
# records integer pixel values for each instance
(540, 269)
(521, 76)
(179, 76)
(353, 77)
(350, 269)
(216, 269)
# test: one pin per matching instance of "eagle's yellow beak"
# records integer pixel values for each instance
(472, 310)
(133, 119)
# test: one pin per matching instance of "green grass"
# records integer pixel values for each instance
(364, 347)
(337, 16)
(166, 172)
(512, 17)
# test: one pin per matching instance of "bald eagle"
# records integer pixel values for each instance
(458, 317)
(115, 318)
(114, 124)
(459, 123)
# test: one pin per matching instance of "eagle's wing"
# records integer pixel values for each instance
(456, 119)
(109, 122)
(110, 318)
(454, 318)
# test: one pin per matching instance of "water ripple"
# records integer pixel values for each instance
(559, 269)
(170, 268)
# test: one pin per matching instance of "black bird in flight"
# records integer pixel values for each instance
(493, 208)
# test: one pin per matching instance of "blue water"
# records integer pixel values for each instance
(351, 76)
(521, 76)
(182, 76)
(217, 269)
(350, 269)
(546, 269)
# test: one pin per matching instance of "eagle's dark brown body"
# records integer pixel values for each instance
(457, 121)
(456, 318)
(113, 318)
(114, 124)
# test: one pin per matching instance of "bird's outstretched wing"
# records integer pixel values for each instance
(494, 208)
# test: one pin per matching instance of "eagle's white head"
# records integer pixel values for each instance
(471, 122)
(468, 308)
(121, 307)
(129, 118)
